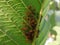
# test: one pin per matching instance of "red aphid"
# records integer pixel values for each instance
(25, 28)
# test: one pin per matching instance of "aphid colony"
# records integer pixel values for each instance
(30, 28)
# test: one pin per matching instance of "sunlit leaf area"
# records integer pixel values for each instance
(29, 22)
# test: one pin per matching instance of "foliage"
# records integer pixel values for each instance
(13, 19)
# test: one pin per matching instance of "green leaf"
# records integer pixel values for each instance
(44, 24)
(12, 13)
(43, 33)
(11, 22)
(52, 20)
(34, 3)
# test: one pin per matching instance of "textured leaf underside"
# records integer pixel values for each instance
(11, 18)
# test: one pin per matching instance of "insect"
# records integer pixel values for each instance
(24, 28)
(31, 20)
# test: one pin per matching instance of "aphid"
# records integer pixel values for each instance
(24, 28)
(31, 20)
(30, 35)
(31, 10)
(29, 7)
